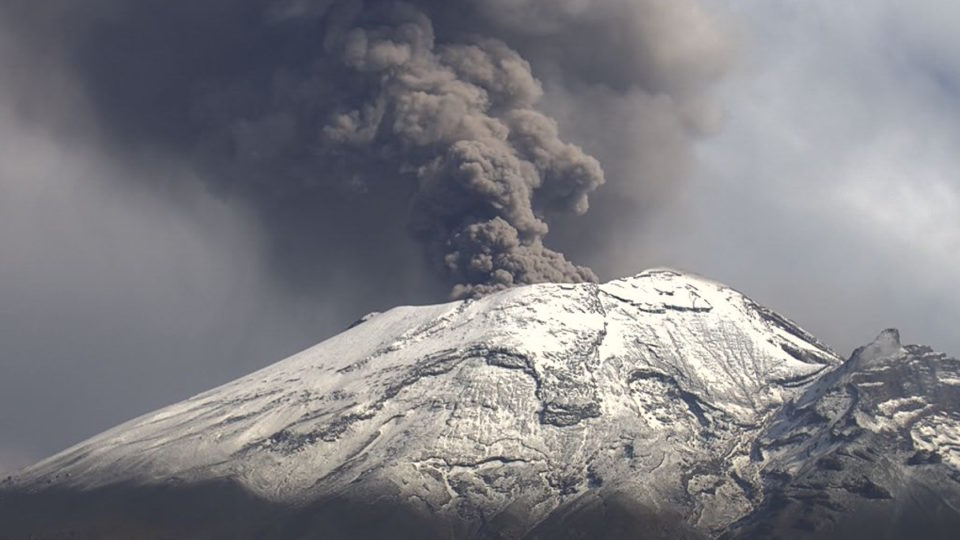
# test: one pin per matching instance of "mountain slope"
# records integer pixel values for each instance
(658, 406)
(871, 450)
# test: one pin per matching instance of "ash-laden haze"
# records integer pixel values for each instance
(345, 124)
(191, 190)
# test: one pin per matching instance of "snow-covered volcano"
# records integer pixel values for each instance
(662, 405)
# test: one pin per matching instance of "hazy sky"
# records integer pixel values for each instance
(131, 278)
(833, 192)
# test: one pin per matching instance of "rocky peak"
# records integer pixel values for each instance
(884, 348)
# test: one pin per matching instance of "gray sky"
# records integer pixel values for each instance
(833, 192)
(130, 280)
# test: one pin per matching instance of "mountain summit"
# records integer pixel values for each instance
(658, 406)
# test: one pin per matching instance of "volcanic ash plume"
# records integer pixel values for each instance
(344, 125)
(459, 119)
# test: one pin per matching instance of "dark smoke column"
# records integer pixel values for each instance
(459, 119)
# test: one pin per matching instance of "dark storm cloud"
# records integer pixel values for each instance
(351, 127)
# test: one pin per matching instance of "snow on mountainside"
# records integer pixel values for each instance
(871, 450)
(661, 399)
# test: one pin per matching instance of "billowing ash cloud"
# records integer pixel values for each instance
(342, 122)
(387, 103)
(459, 120)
